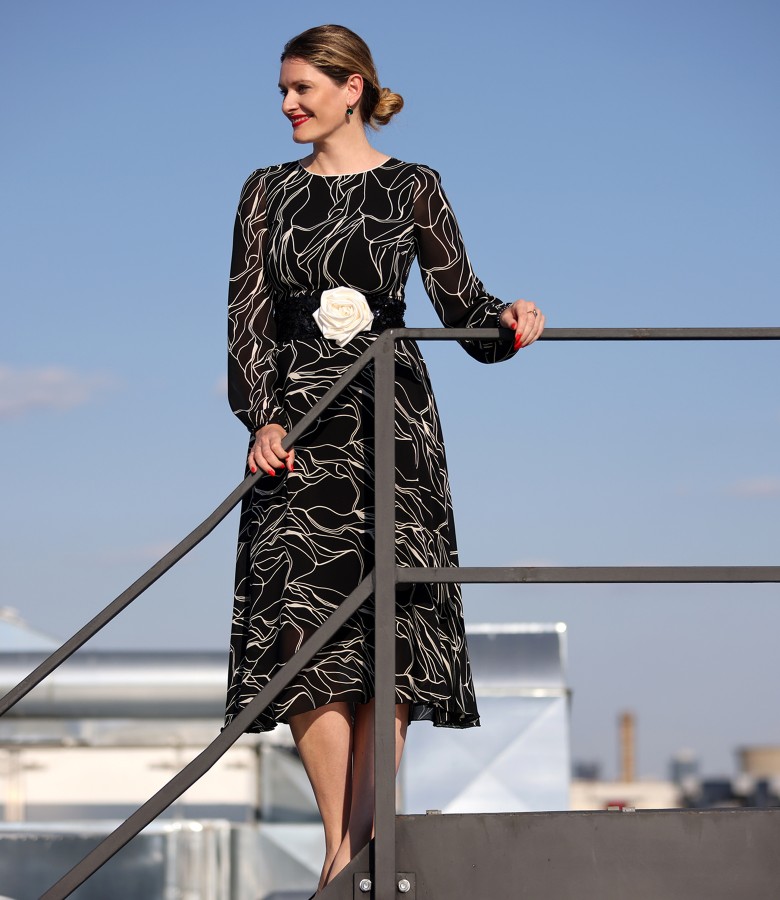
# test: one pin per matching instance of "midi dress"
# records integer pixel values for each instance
(306, 537)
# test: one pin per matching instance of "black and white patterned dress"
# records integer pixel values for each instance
(306, 537)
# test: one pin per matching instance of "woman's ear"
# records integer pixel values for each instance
(354, 90)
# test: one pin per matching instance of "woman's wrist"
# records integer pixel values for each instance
(258, 428)
(500, 313)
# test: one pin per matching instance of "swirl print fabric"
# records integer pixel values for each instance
(306, 537)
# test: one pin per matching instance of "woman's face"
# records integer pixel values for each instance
(315, 105)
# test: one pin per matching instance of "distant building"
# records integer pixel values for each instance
(756, 785)
(641, 794)
(684, 766)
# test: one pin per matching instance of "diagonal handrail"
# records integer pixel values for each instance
(198, 767)
(382, 582)
(173, 556)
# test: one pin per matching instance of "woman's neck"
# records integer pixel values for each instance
(343, 157)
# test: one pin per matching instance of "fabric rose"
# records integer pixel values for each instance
(342, 314)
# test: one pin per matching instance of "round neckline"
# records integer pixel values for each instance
(346, 174)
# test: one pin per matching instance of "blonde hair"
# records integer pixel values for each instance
(338, 53)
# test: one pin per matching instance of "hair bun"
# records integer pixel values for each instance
(387, 105)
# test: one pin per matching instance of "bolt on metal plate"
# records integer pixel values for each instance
(404, 884)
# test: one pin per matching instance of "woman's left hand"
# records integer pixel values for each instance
(525, 319)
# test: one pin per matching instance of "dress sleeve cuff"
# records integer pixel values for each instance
(275, 416)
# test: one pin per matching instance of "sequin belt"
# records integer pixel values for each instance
(294, 319)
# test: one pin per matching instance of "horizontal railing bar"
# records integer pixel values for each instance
(590, 575)
(194, 770)
(596, 334)
(173, 556)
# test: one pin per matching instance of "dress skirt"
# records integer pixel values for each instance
(306, 540)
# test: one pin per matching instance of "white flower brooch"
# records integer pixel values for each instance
(342, 314)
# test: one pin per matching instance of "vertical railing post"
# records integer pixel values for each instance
(384, 599)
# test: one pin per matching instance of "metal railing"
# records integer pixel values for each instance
(382, 582)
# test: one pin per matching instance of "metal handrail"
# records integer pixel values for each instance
(429, 334)
(382, 582)
(592, 575)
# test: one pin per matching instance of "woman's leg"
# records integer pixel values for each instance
(361, 814)
(324, 741)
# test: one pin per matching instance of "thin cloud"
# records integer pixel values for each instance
(756, 487)
(50, 387)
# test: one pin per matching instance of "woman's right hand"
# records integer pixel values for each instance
(267, 452)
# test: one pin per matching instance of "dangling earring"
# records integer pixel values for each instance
(349, 111)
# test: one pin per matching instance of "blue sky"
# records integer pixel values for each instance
(614, 161)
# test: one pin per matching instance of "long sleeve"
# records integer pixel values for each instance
(458, 296)
(251, 328)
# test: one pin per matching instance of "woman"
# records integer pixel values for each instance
(344, 217)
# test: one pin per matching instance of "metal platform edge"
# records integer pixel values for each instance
(718, 854)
